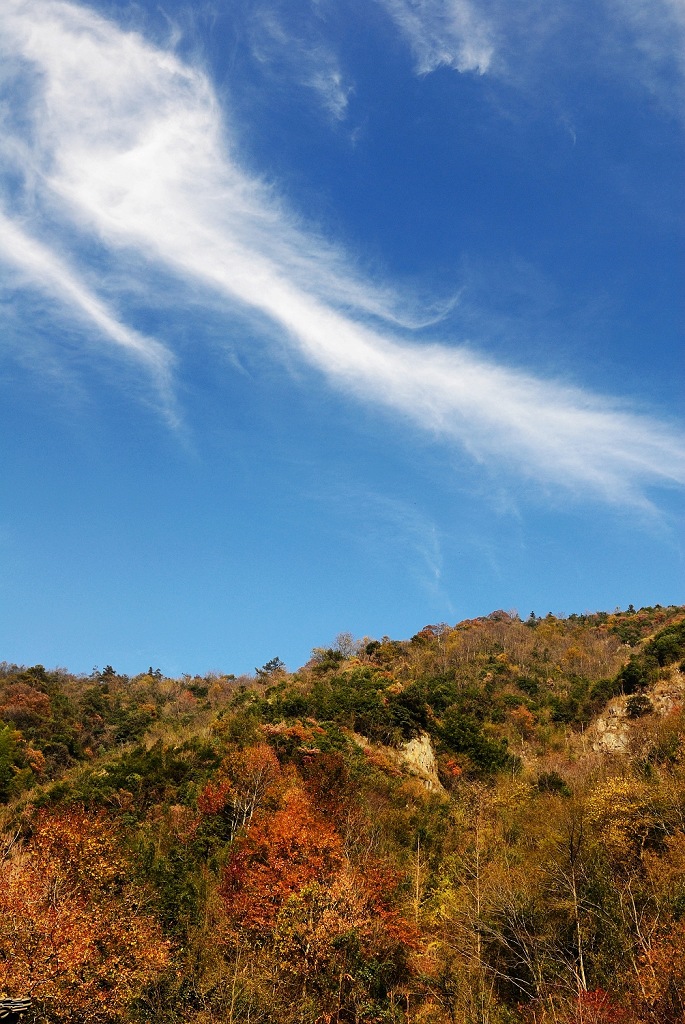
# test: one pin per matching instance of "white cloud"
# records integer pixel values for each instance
(453, 33)
(42, 268)
(302, 57)
(638, 42)
(325, 78)
(127, 142)
(648, 43)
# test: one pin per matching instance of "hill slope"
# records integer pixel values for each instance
(484, 823)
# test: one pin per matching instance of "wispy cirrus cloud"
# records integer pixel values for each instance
(452, 33)
(392, 530)
(301, 56)
(647, 41)
(40, 267)
(123, 141)
(641, 43)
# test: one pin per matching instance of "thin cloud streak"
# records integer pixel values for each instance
(652, 38)
(304, 57)
(636, 42)
(45, 271)
(132, 146)
(451, 33)
(392, 529)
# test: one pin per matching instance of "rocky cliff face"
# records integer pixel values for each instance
(419, 760)
(614, 730)
(416, 757)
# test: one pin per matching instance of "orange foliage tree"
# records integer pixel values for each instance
(340, 944)
(662, 974)
(246, 778)
(282, 852)
(593, 1007)
(24, 705)
(75, 934)
(336, 939)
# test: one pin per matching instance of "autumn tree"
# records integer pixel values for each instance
(76, 933)
(283, 851)
(245, 780)
(341, 945)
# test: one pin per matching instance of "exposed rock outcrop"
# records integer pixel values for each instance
(416, 757)
(612, 731)
(419, 759)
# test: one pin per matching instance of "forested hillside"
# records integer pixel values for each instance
(483, 824)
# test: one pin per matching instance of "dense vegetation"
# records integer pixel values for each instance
(273, 850)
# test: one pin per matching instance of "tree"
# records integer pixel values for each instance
(341, 944)
(75, 933)
(271, 668)
(283, 851)
(244, 781)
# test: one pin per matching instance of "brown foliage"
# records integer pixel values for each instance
(329, 938)
(662, 974)
(24, 705)
(593, 1007)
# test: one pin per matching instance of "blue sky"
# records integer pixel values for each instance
(331, 316)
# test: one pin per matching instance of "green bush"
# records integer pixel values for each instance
(461, 734)
(638, 706)
(668, 645)
(553, 782)
(634, 676)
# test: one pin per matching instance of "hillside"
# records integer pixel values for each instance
(483, 824)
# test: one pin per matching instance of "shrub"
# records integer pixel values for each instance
(553, 782)
(638, 706)
(668, 645)
(463, 735)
